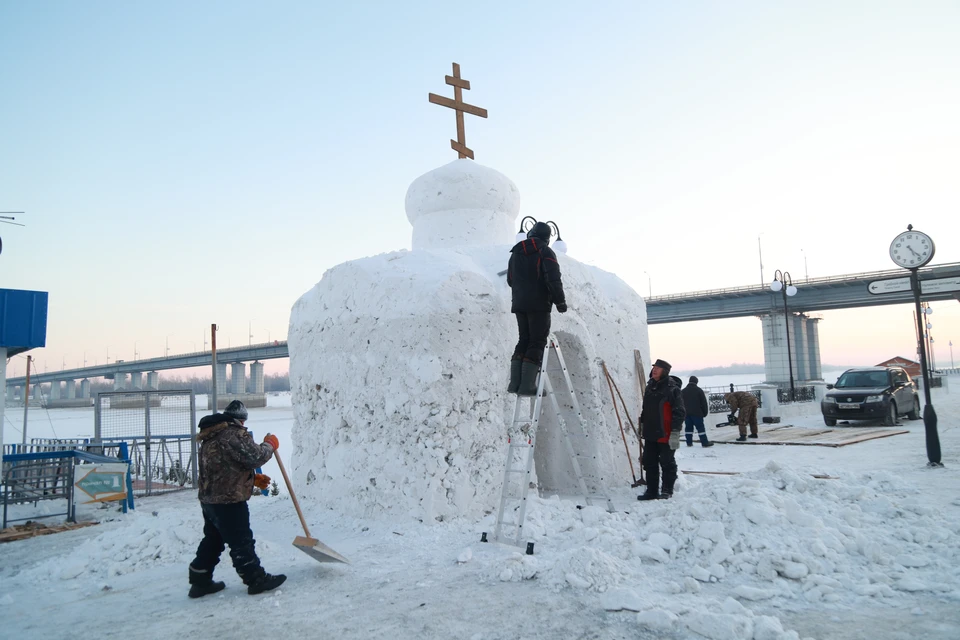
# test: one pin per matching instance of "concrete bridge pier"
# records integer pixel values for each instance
(804, 348)
(136, 381)
(55, 390)
(239, 388)
(85, 388)
(71, 389)
(238, 378)
(119, 381)
(153, 380)
(256, 377)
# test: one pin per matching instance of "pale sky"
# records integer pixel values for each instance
(183, 163)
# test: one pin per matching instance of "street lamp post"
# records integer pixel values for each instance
(649, 286)
(783, 283)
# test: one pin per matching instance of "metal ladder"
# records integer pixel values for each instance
(520, 453)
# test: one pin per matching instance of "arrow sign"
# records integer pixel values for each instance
(940, 285)
(893, 285)
(102, 484)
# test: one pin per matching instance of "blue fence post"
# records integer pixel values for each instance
(125, 456)
(263, 492)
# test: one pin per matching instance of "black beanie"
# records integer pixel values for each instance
(694, 379)
(236, 410)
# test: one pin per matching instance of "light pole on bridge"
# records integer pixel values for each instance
(783, 283)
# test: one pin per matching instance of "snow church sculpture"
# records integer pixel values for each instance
(399, 362)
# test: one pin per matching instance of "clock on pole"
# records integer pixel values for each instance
(911, 250)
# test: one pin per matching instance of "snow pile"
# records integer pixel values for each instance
(399, 364)
(140, 541)
(772, 535)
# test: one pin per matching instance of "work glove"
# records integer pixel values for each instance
(261, 481)
(562, 307)
(675, 439)
(271, 440)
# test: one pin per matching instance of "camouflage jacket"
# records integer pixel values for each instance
(228, 456)
(741, 400)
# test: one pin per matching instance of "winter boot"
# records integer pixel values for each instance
(201, 583)
(742, 439)
(650, 494)
(263, 582)
(690, 439)
(653, 481)
(528, 378)
(704, 442)
(754, 435)
(666, 492)
(515, 366)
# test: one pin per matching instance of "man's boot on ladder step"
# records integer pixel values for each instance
(529, 371)
(515, 366)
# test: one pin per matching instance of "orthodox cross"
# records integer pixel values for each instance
(457, 104)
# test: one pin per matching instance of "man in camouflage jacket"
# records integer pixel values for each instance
(228, 457)
(747, 403)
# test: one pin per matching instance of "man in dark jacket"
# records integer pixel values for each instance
(228, 457)
(533, 274)
(661, 419)
(695, 402)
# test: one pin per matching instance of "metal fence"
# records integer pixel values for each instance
(798, 394)
(719, 405)
(160, 430)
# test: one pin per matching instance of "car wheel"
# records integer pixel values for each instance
(915, 412)
(891, 418)
(830, 422)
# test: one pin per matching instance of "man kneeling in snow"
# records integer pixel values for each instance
(228, 456)
(533, 274)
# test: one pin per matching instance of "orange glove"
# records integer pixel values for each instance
(272, 441)
(261, 481)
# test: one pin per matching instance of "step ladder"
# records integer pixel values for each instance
(521, 441)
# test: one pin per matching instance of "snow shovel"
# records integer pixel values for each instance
(310, 546)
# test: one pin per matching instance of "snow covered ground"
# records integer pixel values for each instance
(770, 553)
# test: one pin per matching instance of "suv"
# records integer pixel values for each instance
(870, 393)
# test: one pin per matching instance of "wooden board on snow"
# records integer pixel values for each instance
(805, 436)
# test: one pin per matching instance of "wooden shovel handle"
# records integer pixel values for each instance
(296, 504)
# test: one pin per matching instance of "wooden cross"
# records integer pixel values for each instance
(457, 104)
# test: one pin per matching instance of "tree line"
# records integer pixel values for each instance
(272, 382)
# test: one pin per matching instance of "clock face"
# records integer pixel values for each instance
(912, 249)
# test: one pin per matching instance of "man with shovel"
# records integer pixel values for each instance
(228, 457)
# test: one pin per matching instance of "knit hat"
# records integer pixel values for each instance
(663, 364)
(540, 230)
(236, 410)
(694, 379)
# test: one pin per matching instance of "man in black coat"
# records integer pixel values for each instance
(695, 402)
(533, 274)
(661, 419)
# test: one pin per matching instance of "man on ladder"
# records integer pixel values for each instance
(533, 274)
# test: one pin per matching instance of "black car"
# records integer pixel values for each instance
(871, 393)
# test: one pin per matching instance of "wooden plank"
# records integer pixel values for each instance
(818, 476)
(461, 149)
(872, 437)
(799, 436)
(458, 106)
(457, 82)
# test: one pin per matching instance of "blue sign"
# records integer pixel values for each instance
(23, 320)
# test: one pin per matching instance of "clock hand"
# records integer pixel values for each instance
(912, 251)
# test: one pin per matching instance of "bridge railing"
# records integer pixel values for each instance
(757, 288)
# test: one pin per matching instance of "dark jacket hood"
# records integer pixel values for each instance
(207, 422)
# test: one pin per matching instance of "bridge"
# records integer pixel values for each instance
(814, 294)
(129, 375)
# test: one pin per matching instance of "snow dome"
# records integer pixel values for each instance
(399, 362)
